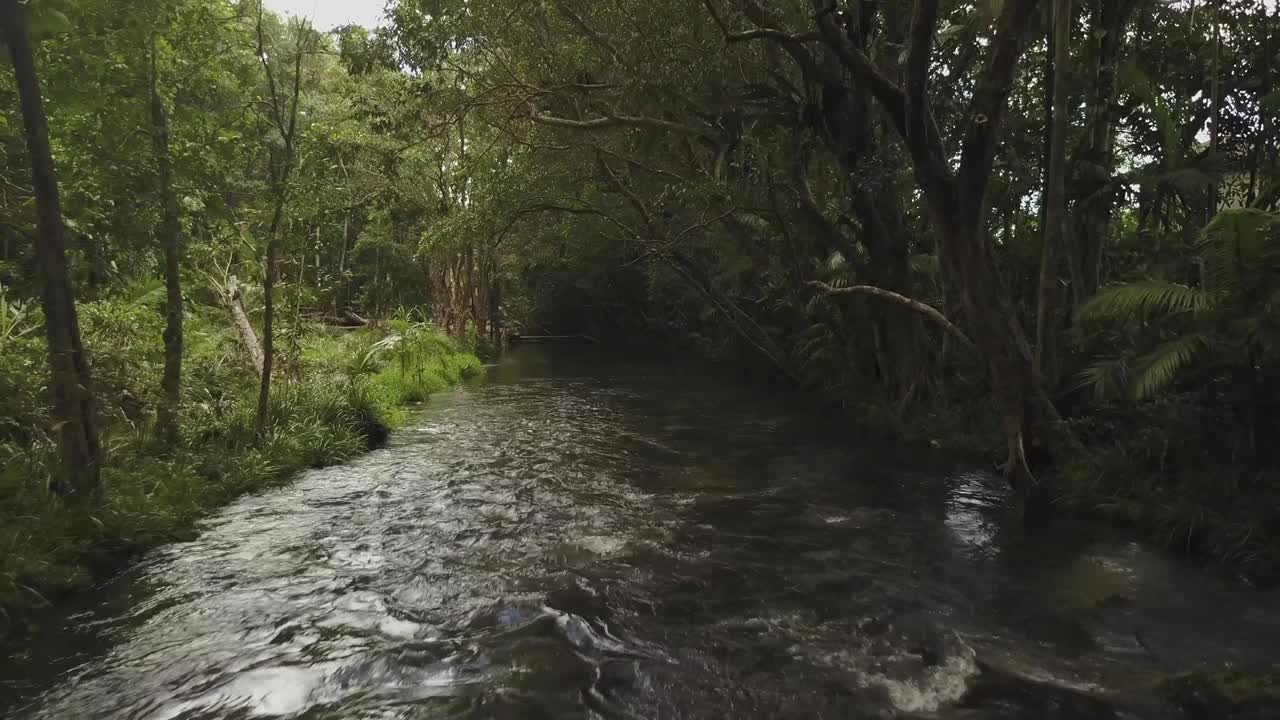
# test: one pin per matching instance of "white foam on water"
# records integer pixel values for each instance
(937, 687)
(601, 544)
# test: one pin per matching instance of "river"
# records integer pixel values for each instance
(577, 537)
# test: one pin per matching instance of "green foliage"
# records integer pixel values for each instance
(1157, 369)
(1228, 323)
(17, 318)
(47, 551)
(1142, 300)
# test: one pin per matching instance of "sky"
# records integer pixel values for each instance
(328, 14)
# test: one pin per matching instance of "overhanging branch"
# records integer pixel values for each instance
(613, 121)
(889, 296)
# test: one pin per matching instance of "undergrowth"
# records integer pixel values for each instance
(336, 395)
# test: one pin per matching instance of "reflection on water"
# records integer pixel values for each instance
(969, 513)
(583, 539)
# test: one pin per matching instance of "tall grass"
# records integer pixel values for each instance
(342, 396)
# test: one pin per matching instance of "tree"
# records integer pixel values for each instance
(282, 116)
(1055, 216)
(171, 246)
(957, 198)
(70, 383)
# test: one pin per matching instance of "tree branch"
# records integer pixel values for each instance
(576, 20)
(613, 121)
(990, 104)
(856, 62)
(922, 133)
(763, 33)
(889, 296)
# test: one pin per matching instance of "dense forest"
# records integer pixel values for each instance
(232, 245)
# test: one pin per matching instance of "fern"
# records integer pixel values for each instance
(148, 293)
(1159, 368)
(1143, 300)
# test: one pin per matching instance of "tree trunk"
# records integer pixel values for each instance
(285, 116)
(171, 244)
(248, 337)
(70, 382)
(269, 277)
(901, 336)
(1092, 185)
(1260, 143)
(1215, 118)
(1000, 340)
(1055, 215)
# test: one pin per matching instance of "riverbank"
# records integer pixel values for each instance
(1161, 469)
(1163, 484)
(338, 394)
(578, 522)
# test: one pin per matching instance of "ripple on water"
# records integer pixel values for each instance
(639, 545)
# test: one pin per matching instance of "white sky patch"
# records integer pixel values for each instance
(327, 14)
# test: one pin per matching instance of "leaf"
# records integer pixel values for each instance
(1159, 368)
(1106, 378)
(49, 21)
(949, 32)
(1142, 300)
(149, 292)
(1239, 247)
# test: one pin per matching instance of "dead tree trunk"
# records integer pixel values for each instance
(248, 336)
(70, 382)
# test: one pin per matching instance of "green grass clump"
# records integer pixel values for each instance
(337, 395)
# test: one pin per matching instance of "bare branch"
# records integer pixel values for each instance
(613, 121)
(763, 33)
(889, 296)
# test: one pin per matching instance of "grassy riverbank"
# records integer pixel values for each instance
(338, 394)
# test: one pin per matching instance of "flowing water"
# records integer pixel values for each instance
(579, 538)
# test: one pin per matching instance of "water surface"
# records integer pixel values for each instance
(582, 538)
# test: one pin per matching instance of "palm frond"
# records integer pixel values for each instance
(148, 292)
(1159, 368)
(1142, 300)
(1239, 246)
(1106, 378)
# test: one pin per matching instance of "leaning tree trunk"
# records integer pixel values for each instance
(71, 386)
(244, 326)
(171, 243)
